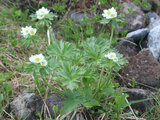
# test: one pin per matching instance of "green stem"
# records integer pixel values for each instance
(112, 32)
(52, 88)
(102, 29)
(36, 46)
(99, 82)
(104, 83)
(107, 79)
(59, 84)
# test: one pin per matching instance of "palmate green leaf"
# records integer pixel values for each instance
(44, 71)
(61, 49)
(70, 74)
(108, 91)
(91, 103)
(53, 63)
(91, 49)
(34, 17)
(26, 42)
(89, 98)
(50, 16)
(31, 67)
(95, 48)
(78, 98)
(104, 21)
(70, 84)
(72, 102)
(35, 38)
(114, 23)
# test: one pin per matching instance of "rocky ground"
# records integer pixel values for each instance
(144, 68)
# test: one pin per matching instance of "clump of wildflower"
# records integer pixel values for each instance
(28, 30)
(111, 56)
(110, 13)
(41, 13)
(38, 58)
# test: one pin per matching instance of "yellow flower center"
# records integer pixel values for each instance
(109, 12)
(27, 31)
(37, 59)
(42, 11)
(32, 32)
(113, 15)
(43, 63)
(112, 56)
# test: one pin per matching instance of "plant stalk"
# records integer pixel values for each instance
(111, 37)
(52, 88)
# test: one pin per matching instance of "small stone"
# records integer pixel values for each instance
(138, 34)
(54, 100)
(134, 21)
(26, 105)
(154, 41)
(139, 94)
(78, 16)
(143, 68)
(126, 48)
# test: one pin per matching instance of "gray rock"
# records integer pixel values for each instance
(139, 94)
(134, 21)
(78, 16)
(152, 16)
(54, 100)
(126, 48)
(154, 41)
(138, 34)
(26, 105)
(154, 23)
(143, 68)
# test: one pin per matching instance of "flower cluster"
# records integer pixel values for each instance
(111, 56)
(28, 30)
(41, 13)
(39, 58)
(110, 13)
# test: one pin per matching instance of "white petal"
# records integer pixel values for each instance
(40, 17)
(115, 59)
(33, 31)
(44, 63)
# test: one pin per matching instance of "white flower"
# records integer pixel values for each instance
(28, 30)
(110, 13)
(42, 11)
(44, 63)
(33, 31)
(25, 31)
(115, 59)
(40, 17)
(37, 58)
(112, 56)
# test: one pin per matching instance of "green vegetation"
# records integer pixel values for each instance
(78, 57)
